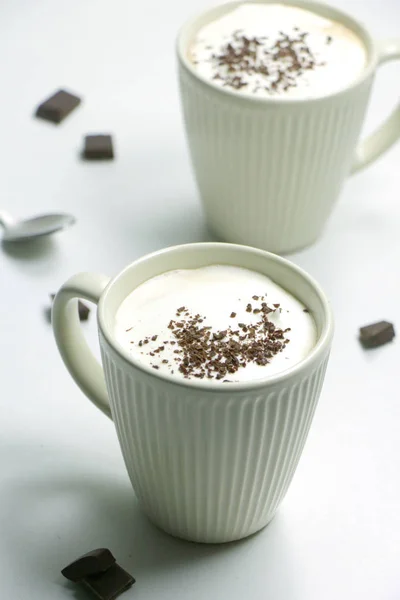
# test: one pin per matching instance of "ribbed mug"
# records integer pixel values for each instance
(269, 170)
(209, 462)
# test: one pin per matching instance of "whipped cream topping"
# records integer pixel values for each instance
(278, 50)
(216, 323)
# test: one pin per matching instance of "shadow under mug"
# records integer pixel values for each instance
(208, 462)
(269, 170)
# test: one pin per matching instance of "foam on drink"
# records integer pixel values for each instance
(216, 323)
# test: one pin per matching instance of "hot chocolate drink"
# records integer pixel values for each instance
(217, 323)
(277, 50)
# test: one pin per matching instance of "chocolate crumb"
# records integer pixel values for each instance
(58, 106)
(233, 315)
(100, 573)
(91, 563)
(109, 584)
(83, 310)
(98, 147)
(377, 334)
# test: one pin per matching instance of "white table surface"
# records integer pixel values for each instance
(63, 486)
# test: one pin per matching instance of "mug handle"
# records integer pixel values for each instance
(389, 132)
(78, 358)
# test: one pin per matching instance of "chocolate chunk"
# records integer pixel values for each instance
(110, 584)
(376, 334)
(83, 309)
(91, 563)
(98, 147)
(58, 106)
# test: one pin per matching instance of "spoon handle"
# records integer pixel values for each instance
(6, 220)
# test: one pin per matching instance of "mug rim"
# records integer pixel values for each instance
(320, 347)
(323, 8)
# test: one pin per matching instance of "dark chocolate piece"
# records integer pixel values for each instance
(98, 147)
(83, 309)
(58, 106)
(376, 334)
(96, 561)
(110, 584)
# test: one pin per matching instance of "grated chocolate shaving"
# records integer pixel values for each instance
(277, 66)
(203, 353)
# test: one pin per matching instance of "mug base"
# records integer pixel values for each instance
(220, 237)
(211, 539)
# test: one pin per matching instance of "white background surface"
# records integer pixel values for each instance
(63, 487)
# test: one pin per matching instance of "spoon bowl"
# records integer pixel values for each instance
(35, 227)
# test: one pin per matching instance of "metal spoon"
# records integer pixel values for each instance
(28, 229)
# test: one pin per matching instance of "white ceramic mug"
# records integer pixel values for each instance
(269, 170)
(208, 462)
